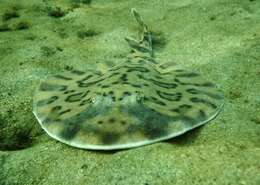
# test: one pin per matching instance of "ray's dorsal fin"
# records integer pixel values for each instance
(144, 45)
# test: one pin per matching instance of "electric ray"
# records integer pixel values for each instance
(135, 103)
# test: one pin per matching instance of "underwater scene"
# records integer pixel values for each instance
(119, 92)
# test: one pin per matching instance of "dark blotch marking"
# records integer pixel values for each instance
(123, 122)
(51, 87)
(150, 60)
(50, 120)
(202, 115)
(113, 74)
(126, 93)
(179, 82)
(159, 83)
(68, 68)
(167, 65)
(47, 101)
(100, 122)
(124, 77)
(85, 102)
(105, 86)
(109, 137)
(113, 98)
(115, 83)
(188, 120)
(158, 77)
(111, 120)
(115, 68)
(83, 84)
(111, 92)
(182, 109)
(211, 95)
(179, 70)
(153, 131)
(206, 102)
(56, 108)
(156, 101)
(145, 59)
(139, 69)
(176, 110)
(141, 61)
(186, 106)
(84, 79)
(169, 96)
(65, 111)
(206, 84)
(77, 72)
(153, 124)
(141, 76)
(136, 85)
(69, 91)
(192, 91)
(76, 97)
(62, 77)
(191, 121)
(188, 75)
(98, 73)
(70, 130)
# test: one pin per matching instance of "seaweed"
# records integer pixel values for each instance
(22, 25)
(4, 27)
(56, 12)
(10, 14)
(86, 33)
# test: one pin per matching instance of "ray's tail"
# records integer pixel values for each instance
(144, 45)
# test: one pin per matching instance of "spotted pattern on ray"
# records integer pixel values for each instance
(132, 104)
(127, 104)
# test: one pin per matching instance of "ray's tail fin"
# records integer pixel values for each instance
(144, 45)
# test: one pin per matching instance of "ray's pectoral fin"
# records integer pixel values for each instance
(167, 67)
(144, 45)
